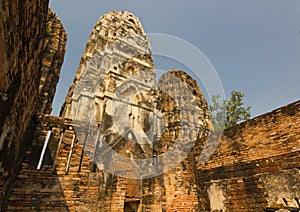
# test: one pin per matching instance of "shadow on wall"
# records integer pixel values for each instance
(39, 189)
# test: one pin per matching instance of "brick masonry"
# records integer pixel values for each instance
(22, 27)
(231, 180)
(251, 167)
(256, 164)
(53, 56)
(30, 65)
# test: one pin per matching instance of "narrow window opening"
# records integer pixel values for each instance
(70, 154)
(57, 151)
(82, 153)
(43, 150)
(183, 166)
(94, 165)
(285, 201)
(132, 206)
(297, 200)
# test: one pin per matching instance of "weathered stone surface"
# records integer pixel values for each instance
(256, 163)
(114, 99)
(22, 31)
(115, 94)
(116, 43)
(267, 181)
(54, 49)
(29, 72)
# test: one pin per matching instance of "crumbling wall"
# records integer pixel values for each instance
(186, 120)
(114, 101)
(231, 180)
(54, 49)
(22, 25)
(256, 165)
(67, 179)
(115, 89)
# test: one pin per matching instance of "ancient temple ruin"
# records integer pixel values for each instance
(127, 141)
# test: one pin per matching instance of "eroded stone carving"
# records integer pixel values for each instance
(130, 117)
(283, 187)
(216, 198)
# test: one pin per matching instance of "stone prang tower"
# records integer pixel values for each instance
(123, 142)
(115, 77)
(130, 126)
(127, 141)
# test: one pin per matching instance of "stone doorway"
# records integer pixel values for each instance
(132, 206)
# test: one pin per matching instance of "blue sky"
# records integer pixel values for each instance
(254, 45)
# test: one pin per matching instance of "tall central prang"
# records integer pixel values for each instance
(127, 123)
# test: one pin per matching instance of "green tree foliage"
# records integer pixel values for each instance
(228, 113)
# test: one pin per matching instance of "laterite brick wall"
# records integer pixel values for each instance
(22, 32)
(30, 63)
(255, 166)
